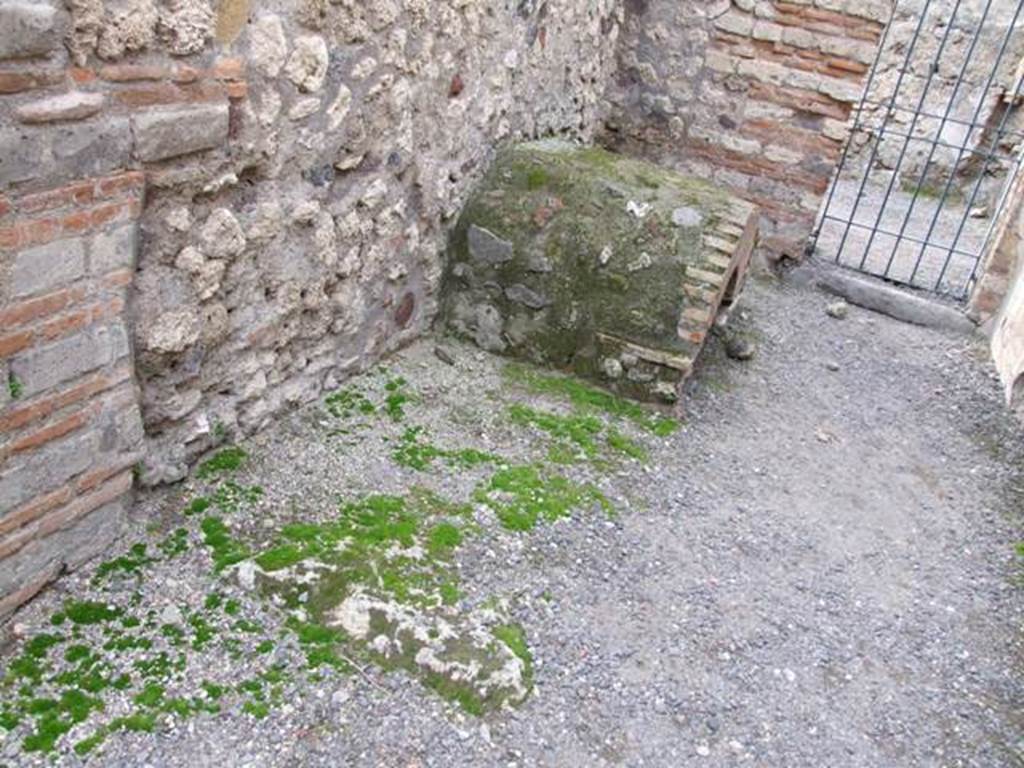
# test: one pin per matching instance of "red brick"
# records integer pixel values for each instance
(15, 418)
(228, 69)
(118, 279)
(81, 75)
(125, 73)
(18, 82)
(129, 180)
(31, 309)
(35, 508)
(168, 93)
(76, 222)
(798, 98)
(237, 90)
(29, 590)
(92, 478)
(83, 505)
(65, 324)
(78, 193)
(14, 342)
(186, 74)
(10, 237)
(51, 432)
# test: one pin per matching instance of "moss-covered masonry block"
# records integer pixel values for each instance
(583, 260)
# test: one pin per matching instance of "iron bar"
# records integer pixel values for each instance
(890, 233)
(978, 181)
(954, 120)
(812, 243)
(874, 147)
(952, 174)
(981, 146)
(913, 123)
(1003, 197)
(938, 133)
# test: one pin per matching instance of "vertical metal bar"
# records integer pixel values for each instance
(938, 133)
(910, 133)
(885, 120)
(977, 184)
(813, 240)
(981, 174)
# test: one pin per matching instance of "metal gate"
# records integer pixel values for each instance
(933, 146)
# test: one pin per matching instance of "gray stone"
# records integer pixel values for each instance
(525, 296)
(66, 106)
(92, 148)
(838, 309)
(173, 331)
(176, 131)
(739, 348)
(488, 248)
(47, 266)
(268, 46)
(43, 367)
(687, 217)
(488, 331)
(113, 250)
(27, 29)
(47, 467)
(24, 155)
(307, 66)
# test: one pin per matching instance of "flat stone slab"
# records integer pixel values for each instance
(584, 260)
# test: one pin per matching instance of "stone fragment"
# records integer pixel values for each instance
(221, 235)
(113, 250)
(444, 355)
(47, 266)
(67, 106)
(838, 309)
(739, 348)
(27, 29)
(173, 331)
(176, 131)
(687, 217)
(486, 247)
(339, 108)
(303, 108)
(40, 368)
(526, 296)
(268, 46)
(307, 66)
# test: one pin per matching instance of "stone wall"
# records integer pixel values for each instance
(753, 95)
(242, 203)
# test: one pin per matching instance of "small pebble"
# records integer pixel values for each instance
(838, 309)
(739, 348)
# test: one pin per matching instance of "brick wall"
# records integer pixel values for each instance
(754, 95)
(70, 428)
(70, 423)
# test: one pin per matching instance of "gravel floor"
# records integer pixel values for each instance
(818, 569)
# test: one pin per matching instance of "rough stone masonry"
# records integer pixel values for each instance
(212, 212)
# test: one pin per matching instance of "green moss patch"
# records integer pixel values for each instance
(586, 397)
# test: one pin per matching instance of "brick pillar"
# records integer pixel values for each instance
(70, 428)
